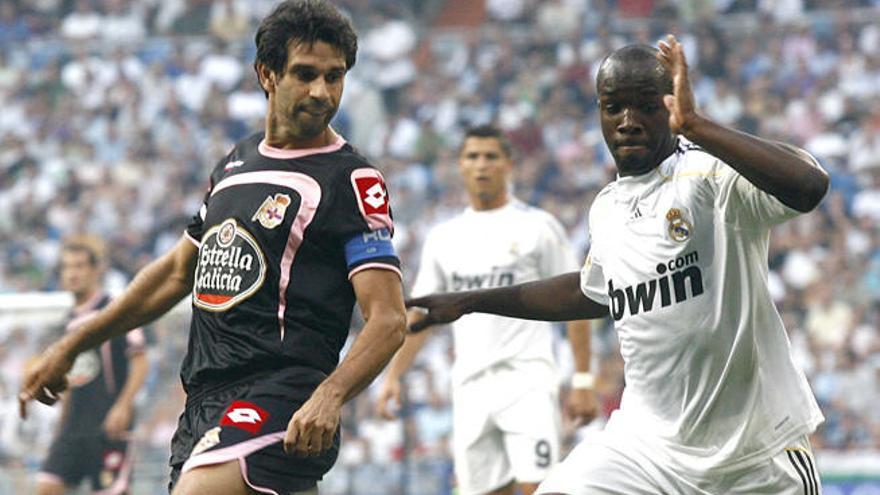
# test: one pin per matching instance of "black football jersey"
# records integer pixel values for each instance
(280, 234)
(98, 374)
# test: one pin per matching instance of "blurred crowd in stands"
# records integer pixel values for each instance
(114, 112)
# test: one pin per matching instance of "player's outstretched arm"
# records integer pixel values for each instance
(552, 299)
(788, 173)
(154, 290)
(380, 297)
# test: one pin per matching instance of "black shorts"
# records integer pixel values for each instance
(247, 421)
(105, 462)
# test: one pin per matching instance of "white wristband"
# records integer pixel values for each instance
(583, 380)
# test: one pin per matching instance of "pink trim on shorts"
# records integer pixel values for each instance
(310, 197)
(284, 154)
(380, 266)
(46, 477)
(121, 484)
(237, 451)
(242, 463)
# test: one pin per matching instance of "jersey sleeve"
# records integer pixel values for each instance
(593, 280)
(557, 256)
(364, 223)
(430, 278)
(745, 205)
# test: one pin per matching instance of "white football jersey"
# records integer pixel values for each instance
(497, 248)
(679, 255)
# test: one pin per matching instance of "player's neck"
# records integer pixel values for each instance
(486, 204)
(82, 298)
(282, 137)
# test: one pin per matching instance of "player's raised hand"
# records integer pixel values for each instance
(311, 430)
(441, 308)
(681, 105)
(45, 379)
(388, 400)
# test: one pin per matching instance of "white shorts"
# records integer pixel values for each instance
(613, 464)
(506, 427)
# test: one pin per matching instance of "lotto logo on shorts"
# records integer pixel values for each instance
(245, 416)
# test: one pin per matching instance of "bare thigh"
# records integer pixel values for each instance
(214, 479)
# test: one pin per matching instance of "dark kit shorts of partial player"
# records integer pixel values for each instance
(247, 420)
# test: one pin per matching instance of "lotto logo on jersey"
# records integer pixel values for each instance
(231, 267)
(246, 416)
(372, 195)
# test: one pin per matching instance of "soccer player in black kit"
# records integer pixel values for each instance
(295, 228)
(92, 441)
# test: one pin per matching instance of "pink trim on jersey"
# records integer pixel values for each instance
(237, 451)
(284, 154)
(107, 359)
(120, 486)
(375, 221)
(380, 266)
(44, 477)
(242, 464)
(192, 239)
(310, 196)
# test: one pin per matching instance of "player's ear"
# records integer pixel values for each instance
(267, 78)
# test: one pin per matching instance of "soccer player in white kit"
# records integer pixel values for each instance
(713, 402)
(506, 418)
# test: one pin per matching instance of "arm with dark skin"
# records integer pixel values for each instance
(552, 299)
(780, 169)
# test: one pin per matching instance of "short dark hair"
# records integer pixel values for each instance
(637, 57)
(489, 131)
(85, 243)
(303, 21)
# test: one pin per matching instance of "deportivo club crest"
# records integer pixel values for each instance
(679, 228)
(209, 439)
(271, 212)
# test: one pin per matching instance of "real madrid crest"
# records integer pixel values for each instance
(679, 228)
(271, 212)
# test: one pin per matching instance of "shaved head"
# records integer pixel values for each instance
(634, 63)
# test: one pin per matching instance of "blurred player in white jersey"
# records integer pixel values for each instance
(506, 418)
(713, 403)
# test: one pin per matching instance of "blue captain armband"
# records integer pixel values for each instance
(368, 246)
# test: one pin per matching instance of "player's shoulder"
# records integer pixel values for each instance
(691, 162)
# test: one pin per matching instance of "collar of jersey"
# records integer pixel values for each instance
(506, 206)
(285, 154)
(641, 185)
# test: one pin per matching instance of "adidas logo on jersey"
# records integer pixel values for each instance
(676, 275)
